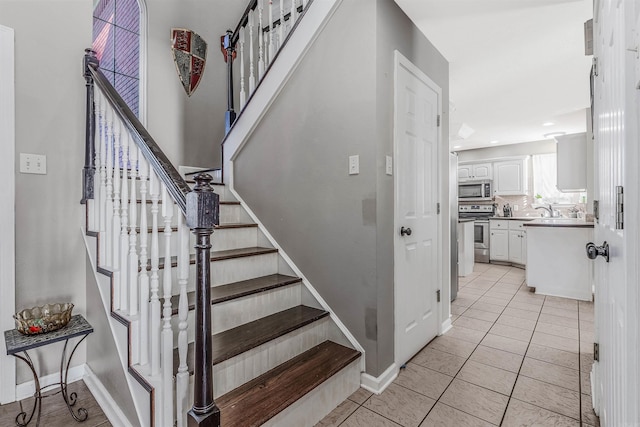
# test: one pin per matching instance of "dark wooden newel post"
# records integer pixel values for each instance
(90, 136)
(229, 48)
(202, 216)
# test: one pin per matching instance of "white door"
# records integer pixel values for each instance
(7, 216)
(616, 377)
(416, 269)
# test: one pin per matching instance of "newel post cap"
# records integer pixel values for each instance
(203, 205)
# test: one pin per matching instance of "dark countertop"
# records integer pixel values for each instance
(515, 218)
(461, 220)
(559, 222)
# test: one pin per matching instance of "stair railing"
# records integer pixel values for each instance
(122, 160)
(254, 44)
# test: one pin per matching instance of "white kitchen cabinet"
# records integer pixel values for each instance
(517, 246)
(475, 171)
(508, 241)
(498, 241)
(511, 177)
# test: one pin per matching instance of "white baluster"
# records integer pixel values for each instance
(133, 232)
(167, 334)
(182, 377)
(108, 208)
(272, 47)
(281, 27)
(261, 60)
(154, 304)
(101, 140)
(243, 94)
(252, 74)
(95, 202)
(293, 17)
(116, 224)
(143, 172)
(304, 4)
(124, 218)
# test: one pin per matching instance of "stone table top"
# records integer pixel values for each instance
(17, 342)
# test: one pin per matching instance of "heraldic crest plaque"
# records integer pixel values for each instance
(190, 55)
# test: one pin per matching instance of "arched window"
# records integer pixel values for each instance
(116, 40)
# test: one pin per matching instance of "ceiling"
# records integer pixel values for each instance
(514, 65)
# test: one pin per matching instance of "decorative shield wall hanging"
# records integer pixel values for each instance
(190, 54)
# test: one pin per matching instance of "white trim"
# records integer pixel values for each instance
(27, 389)
(296, 270)
(7, 211)
(309, 28)
(401, 60)
(104, 400)
(378, 384)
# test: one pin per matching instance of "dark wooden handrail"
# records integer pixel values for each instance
(176, 185)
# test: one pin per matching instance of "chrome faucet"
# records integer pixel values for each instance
(550, 211)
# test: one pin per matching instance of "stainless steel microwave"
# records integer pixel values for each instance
(475, 191)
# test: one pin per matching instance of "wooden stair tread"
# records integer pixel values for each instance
(219, 256)
(238, 289)
(240, 339)
(236, 225)
(254, 403)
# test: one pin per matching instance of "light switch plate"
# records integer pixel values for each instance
(354, 165)
(33, 163)
(389, 165)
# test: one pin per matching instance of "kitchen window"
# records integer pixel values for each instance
(544, 183)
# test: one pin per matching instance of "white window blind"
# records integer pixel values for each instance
(545, 179)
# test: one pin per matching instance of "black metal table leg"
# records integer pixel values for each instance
(70, 399)
(37, 404)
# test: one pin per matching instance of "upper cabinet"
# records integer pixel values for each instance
(474, 171)
(572, 162)
(511, 177)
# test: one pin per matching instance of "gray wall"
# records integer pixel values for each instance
(49, 41)
(524, 149)
(293, 171)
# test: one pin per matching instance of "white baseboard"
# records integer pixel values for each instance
(104, 399)
(27, 389)
(446, 325)
(378, 384)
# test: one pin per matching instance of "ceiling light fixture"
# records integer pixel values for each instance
(553, 134)
(457, 146)
(493, 142)
(548, 124)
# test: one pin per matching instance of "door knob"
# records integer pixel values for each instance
(593, 251)
(405, 231)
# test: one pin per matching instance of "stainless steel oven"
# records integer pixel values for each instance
(481, 214)
(475, 191)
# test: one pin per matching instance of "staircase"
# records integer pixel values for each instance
(213, 325)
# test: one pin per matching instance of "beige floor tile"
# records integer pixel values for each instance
(559, 302)
(516, 280)
(401, 405)
(525, 306)
(511, 332)
(521, 314)
(502, 302)
(550, 373)
(585, 383)
(548, 396)
(561, 331)
(497, 358)
(472, 291)
(506, 344)
(475, 324)
(462, 301)
(479, 314)
(338, 415)
(563, 312)
(457, 310)
(491, 308)
(445, 363)
(553, 341)
(475, 400)
(364, 417)
(466, 295)
(587, 336)
(586, 346)
(588, 416)
(480, 267)
(525, 295)
(558, 320)
(488, 377)
(465, 334)
(552, 355)
(517, 322)
(360, 396)
(445, 416)
(587, 326)
(423, 380)
(454, 317)
(586, 316)
(586, 362)
(452, 345)
(522, 414)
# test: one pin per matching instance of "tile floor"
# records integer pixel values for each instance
(512, 358)
(54, 411)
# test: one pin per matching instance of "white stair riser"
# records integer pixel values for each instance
(234, 238)
(229, 314)
(238, 370)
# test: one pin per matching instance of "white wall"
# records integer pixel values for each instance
(524, 149)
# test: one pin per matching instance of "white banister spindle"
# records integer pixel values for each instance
(133, 232)
(167, 334)
(304, 4)
(293, 17)
(261, 60)
(143, 172)
(154, 304)
(125, 139)
(108, 208)
(182, 377)
(101, 139)
(94, 219)
(243, 94)
(116, 224)
(281, 27)
(252, 73)
(271, 30)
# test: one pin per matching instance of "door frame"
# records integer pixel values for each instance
(401, 60)
(7, 208)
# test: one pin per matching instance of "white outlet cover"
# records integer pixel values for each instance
(33, 163)
(389, 166)
(354, 165)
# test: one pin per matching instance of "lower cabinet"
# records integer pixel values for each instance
(508, 241)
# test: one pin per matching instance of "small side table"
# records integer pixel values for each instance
(19, 343)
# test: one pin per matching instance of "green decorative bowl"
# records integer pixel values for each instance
(46, 318)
